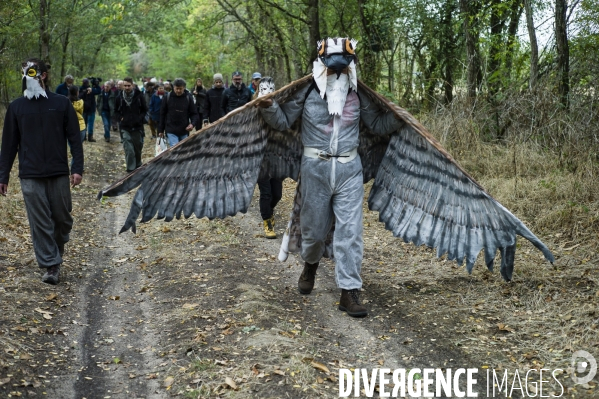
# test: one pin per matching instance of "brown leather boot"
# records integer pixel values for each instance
(350, 303)
(306, 280)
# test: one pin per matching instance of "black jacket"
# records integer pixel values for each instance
(89, 100)
(200, 98)
(131, 116)
(38, 130)
(212, 109)
(176, 113)
(234, 98)
(109, 103)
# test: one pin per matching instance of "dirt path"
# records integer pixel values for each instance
(202, 309)
(117, 344)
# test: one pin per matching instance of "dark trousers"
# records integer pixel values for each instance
(48, 204)
(271, 191)
(132, 144)
(153, 125)
(114, 121)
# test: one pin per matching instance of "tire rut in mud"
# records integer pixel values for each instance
(119, 346)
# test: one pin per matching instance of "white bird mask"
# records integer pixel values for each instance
(33, 85)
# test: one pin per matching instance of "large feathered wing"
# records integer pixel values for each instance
(213, 172)
(423, 196)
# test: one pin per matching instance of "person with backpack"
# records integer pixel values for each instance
(130, 108)
(178, 113)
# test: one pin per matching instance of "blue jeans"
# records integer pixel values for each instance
(106, 122)
(90, 118)
(174, 139)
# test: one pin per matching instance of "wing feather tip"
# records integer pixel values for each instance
(128, 226)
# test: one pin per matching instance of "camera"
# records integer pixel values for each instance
(94, 81)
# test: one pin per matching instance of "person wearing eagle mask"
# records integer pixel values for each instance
(37, 127)
(332, 185)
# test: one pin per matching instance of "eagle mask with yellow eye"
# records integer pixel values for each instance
(335, 54)
(33, 85)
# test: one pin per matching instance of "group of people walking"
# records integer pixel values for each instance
(170, 110)
(39, 125)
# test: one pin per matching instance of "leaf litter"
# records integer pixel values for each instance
(227, 312)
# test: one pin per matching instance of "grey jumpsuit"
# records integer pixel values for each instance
(331, 188)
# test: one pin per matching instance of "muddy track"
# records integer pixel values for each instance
(202, 309)
(116, 343)
(133, 335)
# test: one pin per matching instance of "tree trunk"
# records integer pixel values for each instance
(44, 33)
(95, 54)
(65, 47)
(469, 9)
(369, 62)
(563, 52)
(410, 60)
(391, 73)
(284, 65)
(314, 18)
(534, 47)
(512, 30)
(447, 49)
(496, 29)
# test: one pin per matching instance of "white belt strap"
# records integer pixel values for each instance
(341, 158)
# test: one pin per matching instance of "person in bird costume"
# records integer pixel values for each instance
(337, 134)
(37, 128)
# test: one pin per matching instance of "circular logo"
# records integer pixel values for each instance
(588, 365)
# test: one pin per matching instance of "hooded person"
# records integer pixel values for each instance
(212, 104)
(38, 127)
(332, 185)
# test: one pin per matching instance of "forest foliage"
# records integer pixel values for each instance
(517, 73)
(418, 52)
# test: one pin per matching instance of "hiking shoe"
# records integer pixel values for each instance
(269, 231)
(91, 140)
(350, 303)
(305, 284)
(51, 276)
(107, 140)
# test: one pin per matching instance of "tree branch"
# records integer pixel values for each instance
(286, 12)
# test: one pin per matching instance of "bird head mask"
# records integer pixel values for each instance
(33, 84)
(267, 86)
(334, 71)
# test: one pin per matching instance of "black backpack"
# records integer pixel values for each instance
(168, 95)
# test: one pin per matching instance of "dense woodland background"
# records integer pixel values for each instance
(508, 86)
